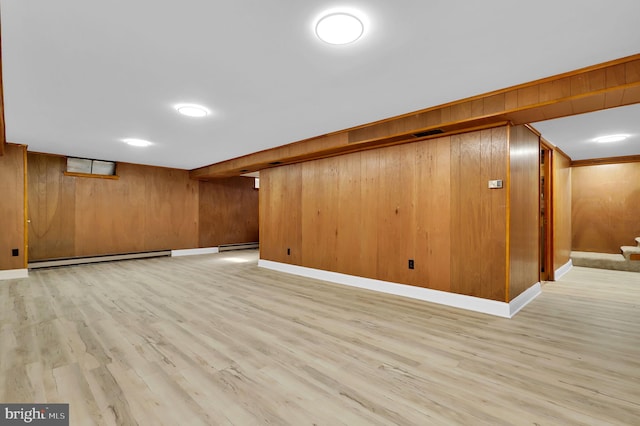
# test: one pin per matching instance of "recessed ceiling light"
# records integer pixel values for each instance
(611, 138)
(192, 110)
(339, 28)
(136, 142)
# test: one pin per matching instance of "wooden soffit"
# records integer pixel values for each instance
(595, 88)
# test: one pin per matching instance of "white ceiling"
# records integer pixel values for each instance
(81, 75)
(575, 134)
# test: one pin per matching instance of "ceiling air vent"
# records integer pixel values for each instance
(428, 133)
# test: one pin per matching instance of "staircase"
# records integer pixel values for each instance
(629, 260)
(632, 253)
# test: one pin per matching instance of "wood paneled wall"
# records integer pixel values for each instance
(524, 206)
(280, 214)
(52, 208)
(479, 214)
(12, 226)
(228, 212)
(561, 188)
(368, 213)
(148, 208)
(605, 207)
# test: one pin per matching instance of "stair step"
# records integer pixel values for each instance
(627, 251)
(604, 261)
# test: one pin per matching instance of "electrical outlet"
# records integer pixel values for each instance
(15, 252)
(411, 264)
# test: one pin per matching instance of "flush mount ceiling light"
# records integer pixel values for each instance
(611, 138)
(192, 110)
(339, 28)
(136, 142)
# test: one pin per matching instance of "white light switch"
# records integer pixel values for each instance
(494, 184)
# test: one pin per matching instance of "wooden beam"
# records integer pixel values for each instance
(608, 160)
(611, 84)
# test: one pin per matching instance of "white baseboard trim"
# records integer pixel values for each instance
(477, 304)
(13, 274)
(563, 270)
(524, 298)
(193, 252)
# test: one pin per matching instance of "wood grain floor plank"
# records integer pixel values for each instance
(72, 388)
(215, 340)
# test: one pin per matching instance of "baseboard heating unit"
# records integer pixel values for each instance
(49, 263)
(239, 246)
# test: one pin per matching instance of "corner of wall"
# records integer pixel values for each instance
(561, 271)
(524, 299)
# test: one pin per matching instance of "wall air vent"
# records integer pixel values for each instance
(428, 133)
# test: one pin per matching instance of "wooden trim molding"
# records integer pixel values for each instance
(549, 145)
(90, 175)
(561, 152)
(26, 207)
(534, 130)
(3, 133)
(550, 238)
(608, 160)
(612, 70)
(602, 86)
(507, 245)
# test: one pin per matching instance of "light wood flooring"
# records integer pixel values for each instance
(215, 340)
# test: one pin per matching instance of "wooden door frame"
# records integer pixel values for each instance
(548, 211)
